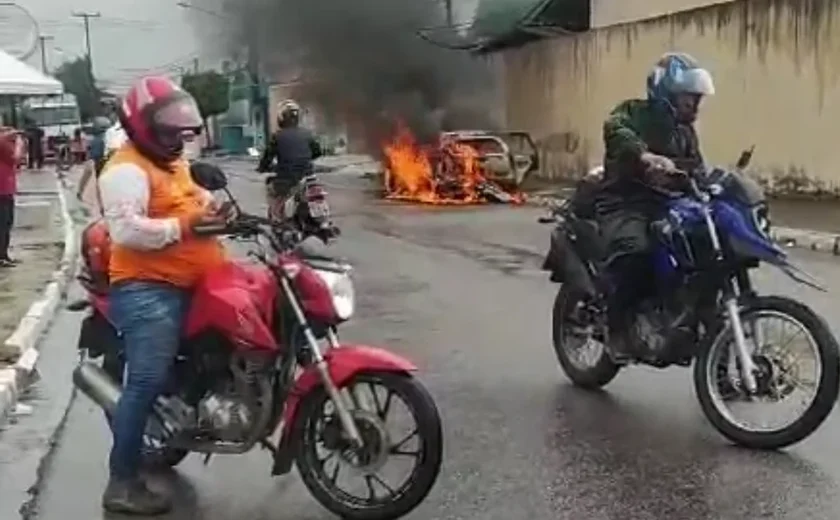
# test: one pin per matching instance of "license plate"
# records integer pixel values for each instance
(319, 209)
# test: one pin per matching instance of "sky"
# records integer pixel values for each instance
(130, 37)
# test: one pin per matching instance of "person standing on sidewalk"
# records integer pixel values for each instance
(35, 142)
(9, 156)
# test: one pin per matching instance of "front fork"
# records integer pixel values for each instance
(342, 406)
(733, 311)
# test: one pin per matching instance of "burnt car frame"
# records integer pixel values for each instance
(507, 158)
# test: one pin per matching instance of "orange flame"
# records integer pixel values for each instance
(449, 173)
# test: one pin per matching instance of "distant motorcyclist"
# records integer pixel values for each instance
(292, 147)
(645, 140)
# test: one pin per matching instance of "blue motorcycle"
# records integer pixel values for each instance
(714, 231)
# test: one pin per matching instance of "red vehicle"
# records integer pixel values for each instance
(252, 364)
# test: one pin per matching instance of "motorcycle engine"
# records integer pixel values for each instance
(225, 418)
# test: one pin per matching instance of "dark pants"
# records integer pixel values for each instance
(149, 316)
(626, 228)
(7, 221)
(36, 155)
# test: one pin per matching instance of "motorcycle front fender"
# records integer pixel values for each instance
(343, 363)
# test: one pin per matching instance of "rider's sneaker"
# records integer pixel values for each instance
(132, 497)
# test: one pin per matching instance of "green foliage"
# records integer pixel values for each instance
(77, 78)
(210, 90)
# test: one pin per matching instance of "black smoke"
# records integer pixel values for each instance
(364, 60)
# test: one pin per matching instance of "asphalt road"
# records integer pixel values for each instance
(459, 291)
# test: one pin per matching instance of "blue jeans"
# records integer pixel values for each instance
(149, 316)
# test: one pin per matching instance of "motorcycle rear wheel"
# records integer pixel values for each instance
(828, 385)
(592, 376)
(63, 161)
(429, 454)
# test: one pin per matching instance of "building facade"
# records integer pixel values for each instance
(776, 65)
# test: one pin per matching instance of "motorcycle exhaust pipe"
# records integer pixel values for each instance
(97, 385)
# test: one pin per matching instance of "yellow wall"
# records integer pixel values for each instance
(775, 63)
(611, 12)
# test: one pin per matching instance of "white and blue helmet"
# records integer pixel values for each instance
(678, 73)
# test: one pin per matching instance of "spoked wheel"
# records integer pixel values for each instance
(797, 376)
(396, 467)
(579, 343)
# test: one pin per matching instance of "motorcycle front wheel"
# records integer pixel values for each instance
(325, 457)
(721, 393)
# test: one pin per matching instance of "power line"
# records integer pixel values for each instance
(86, 17)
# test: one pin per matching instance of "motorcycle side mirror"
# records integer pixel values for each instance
(208, 176)
(746, 157)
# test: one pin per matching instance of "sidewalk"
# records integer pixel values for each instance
(801, 223)
(37, 241)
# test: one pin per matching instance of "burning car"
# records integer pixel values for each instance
(507, 158)
(463, 167)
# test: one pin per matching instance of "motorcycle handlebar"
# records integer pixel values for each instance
(243, 224)
(211, 230)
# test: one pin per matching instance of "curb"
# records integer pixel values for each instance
(791, 238)
(23, 343)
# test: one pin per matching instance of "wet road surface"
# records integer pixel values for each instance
(458, 290)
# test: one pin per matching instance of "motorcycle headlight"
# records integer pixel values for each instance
(761, 219)
(343, 292)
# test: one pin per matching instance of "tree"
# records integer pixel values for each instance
(77, 78)
(211, 91)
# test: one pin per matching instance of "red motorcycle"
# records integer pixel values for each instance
(252, 363)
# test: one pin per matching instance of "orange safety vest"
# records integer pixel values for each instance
(172, 194)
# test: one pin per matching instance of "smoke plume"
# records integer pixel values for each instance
(363, 59)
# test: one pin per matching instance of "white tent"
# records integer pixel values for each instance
(18, 78)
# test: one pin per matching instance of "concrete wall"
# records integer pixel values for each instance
(605, 13)
(776, 64)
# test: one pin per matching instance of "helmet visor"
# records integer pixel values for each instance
(180, 114)
(694, 81)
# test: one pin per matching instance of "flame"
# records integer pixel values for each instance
(446, 173)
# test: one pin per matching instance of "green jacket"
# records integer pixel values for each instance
(637, 126)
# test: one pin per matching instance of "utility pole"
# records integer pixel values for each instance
(42, 40)
(449, 15)
(195, 65)
(86, 17)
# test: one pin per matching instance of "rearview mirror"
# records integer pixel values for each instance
(208, 176)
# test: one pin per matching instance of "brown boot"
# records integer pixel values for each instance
(132, 497)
